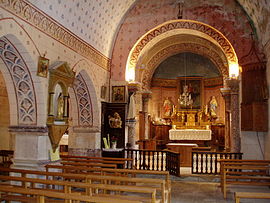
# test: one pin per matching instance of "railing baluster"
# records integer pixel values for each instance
(207, 162)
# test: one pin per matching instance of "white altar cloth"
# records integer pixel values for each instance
(190, 134)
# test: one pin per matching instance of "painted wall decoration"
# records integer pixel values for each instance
(22, 81)
(84, 102)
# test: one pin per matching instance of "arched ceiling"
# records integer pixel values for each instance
(94, 21)
(98, 21)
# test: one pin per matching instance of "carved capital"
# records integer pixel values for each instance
(233, 84)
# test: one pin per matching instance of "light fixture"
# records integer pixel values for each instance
(233, 70)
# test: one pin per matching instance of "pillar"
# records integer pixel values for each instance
(227, 97)
(84, 141)
(233, 84)
(146, 95)
(131, 123)
(32, 145)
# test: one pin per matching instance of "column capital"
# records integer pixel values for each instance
(131, 122)
(133, 87)
(146, 95)
(233, 84)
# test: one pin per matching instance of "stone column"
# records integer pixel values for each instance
(131, 123)
(32, 145)
(227, 97)
(146, 95)
(233, 84)
(84, 141)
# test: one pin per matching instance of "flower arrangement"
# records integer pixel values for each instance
(114, 142)
(114, 139)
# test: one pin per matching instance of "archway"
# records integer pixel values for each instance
(178, 27)
(84, 130)
(179, 36)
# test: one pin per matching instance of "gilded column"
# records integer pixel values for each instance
(233, 84)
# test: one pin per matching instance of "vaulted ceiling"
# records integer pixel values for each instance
(98, 21)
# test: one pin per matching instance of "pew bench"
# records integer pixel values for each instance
(41, 196)
(135, 192)
(101, 165)
(244, 172)
(250, 195)
(76, 160)
(161, 185)
(157, 184)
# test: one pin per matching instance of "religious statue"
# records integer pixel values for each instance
(213, 107)
(168, 107)
(60, 106)
(115, 121)
(185, 99)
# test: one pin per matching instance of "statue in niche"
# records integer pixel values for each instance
(115, 120)
(60, 106)
(213, 107)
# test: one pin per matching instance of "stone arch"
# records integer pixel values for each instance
(21, 91)
(29, 52)
(85, 94)
(177, 27)
(216, 56)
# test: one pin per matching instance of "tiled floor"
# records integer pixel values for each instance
(206, 189)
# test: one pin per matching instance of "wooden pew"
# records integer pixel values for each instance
(121, 163)
(6, 156)
(128, 161)
(90, 189)
(49, 185)
(150, 183)
(244, 172)
(250, 195)
(40, 195)
(119, 172)
(65, 163)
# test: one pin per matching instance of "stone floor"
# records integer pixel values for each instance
(206, 189)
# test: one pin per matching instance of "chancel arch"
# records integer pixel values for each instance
(184, 36)
(176, 27)
(178, 44)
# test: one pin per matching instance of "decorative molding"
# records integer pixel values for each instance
(84, 104)
(183, 24)
(158, 82)
(28, 129)
(27, 12)
(22, 81)
(213, 82)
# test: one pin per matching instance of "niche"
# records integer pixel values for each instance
(60, 79)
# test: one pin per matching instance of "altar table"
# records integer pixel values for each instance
(189, 134)
(185, 150)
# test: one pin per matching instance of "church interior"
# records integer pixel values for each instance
(173, 87)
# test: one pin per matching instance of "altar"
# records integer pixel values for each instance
(190, 134)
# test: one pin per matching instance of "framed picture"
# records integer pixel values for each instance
(118, 94)
(43, 65)
(190, 93)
